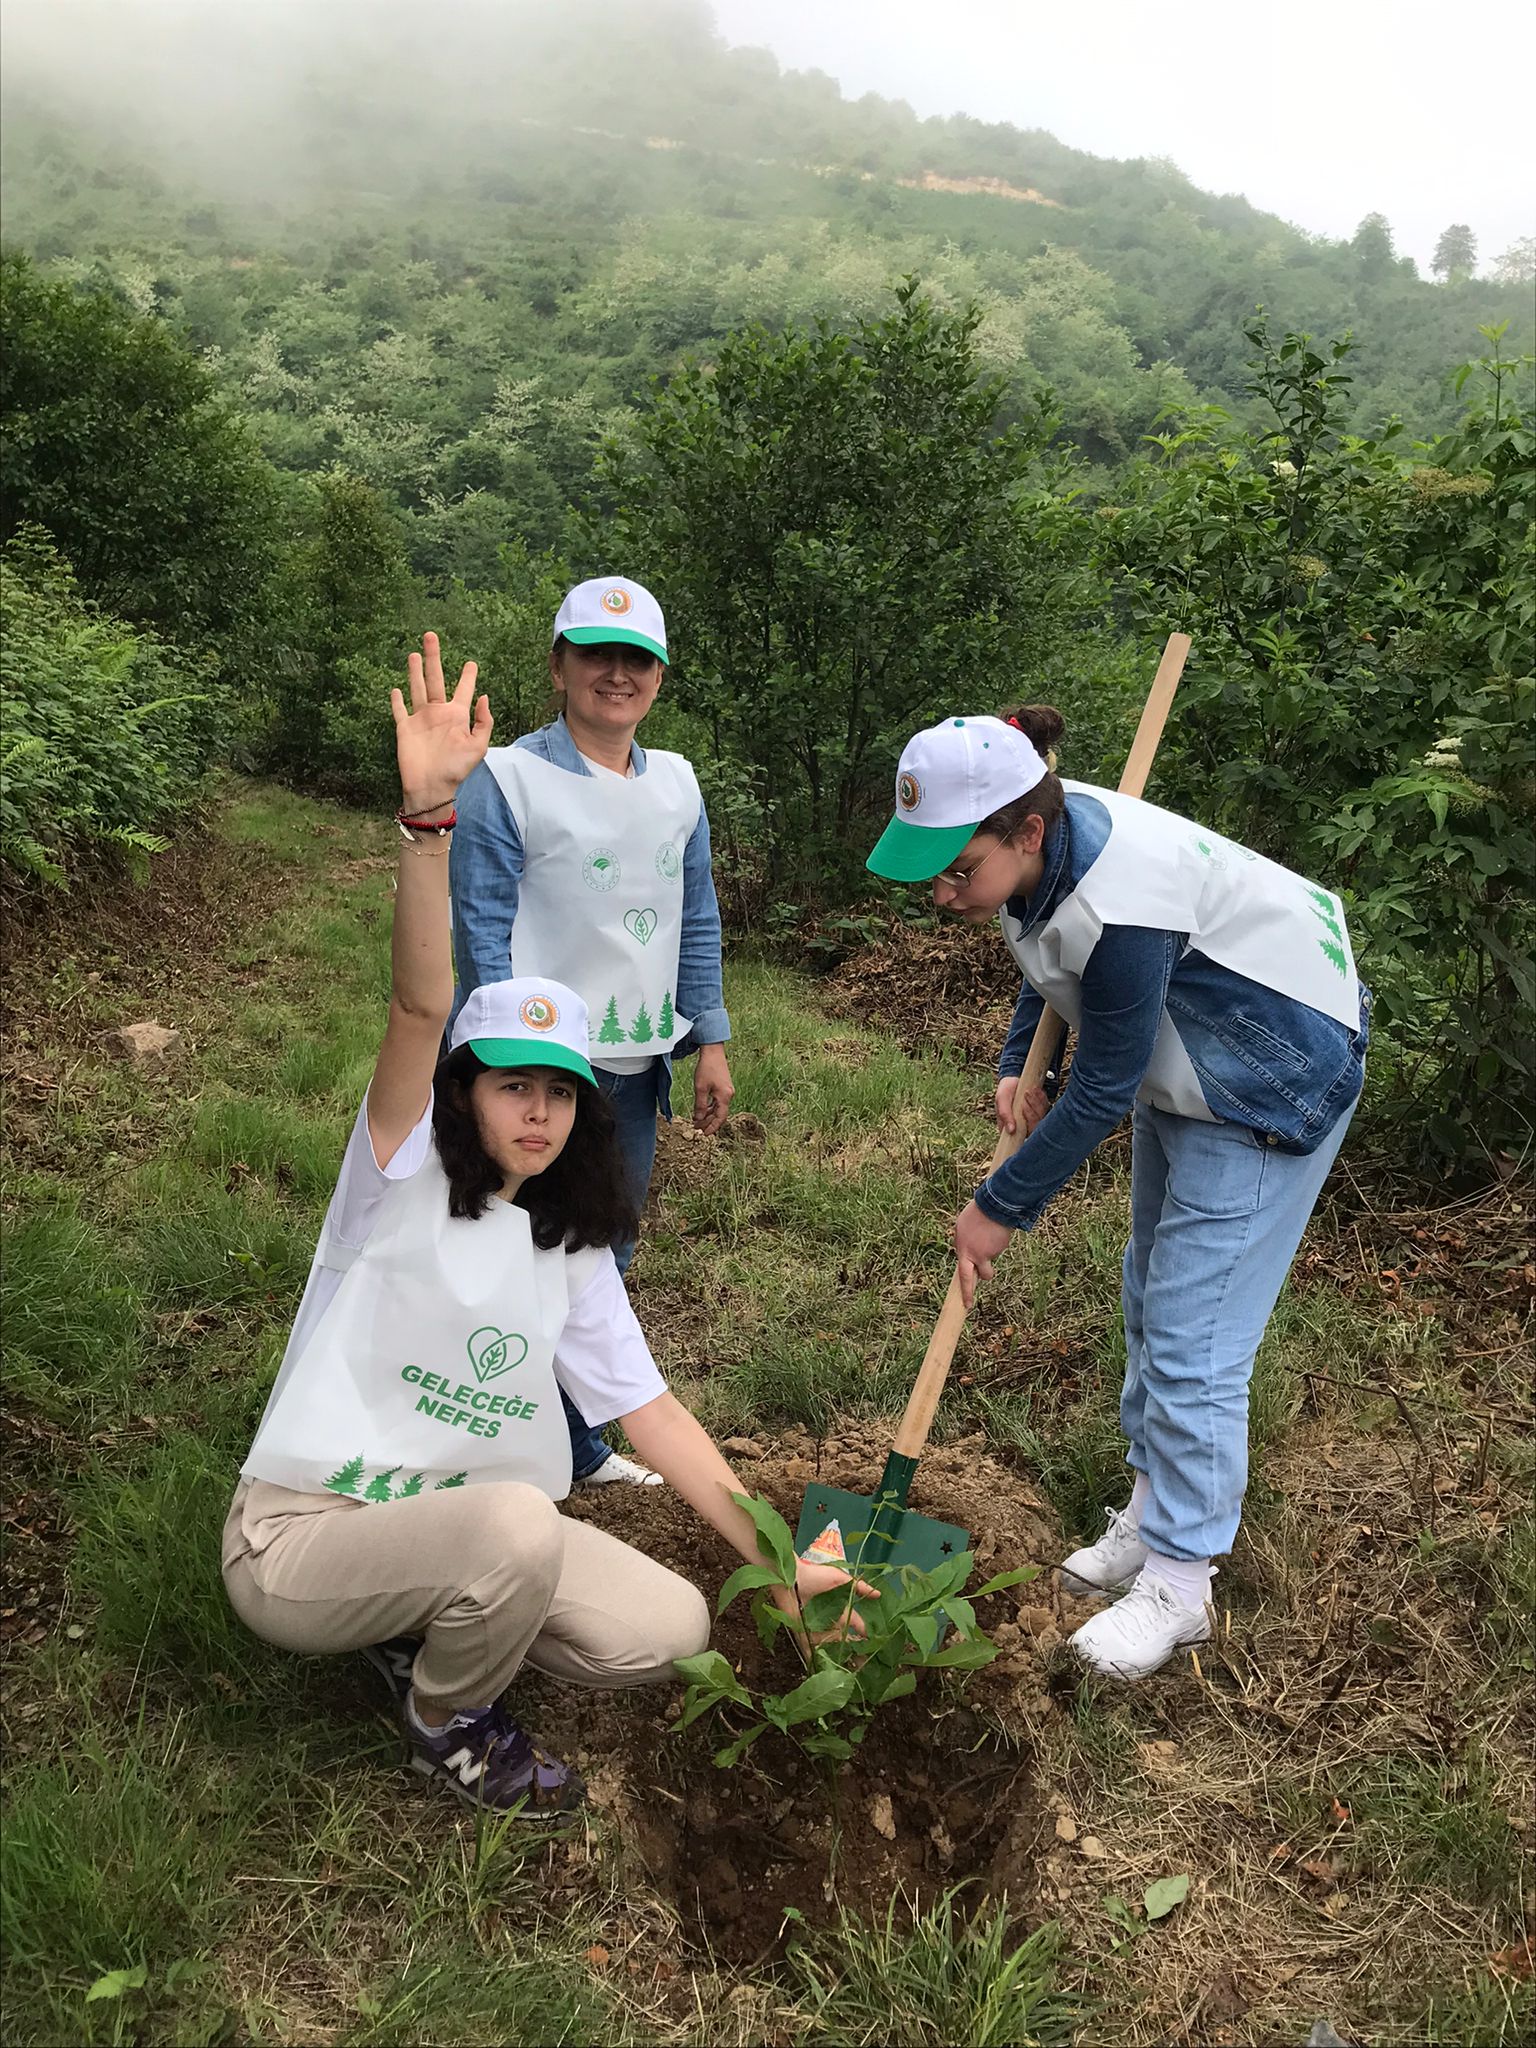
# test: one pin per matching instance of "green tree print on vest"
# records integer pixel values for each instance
(345, 1481)
(612, 1032)
(666, 1020)
(642, 1031)
(378, 1488)
(1324, 906)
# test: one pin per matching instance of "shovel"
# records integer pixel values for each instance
(864, 1532)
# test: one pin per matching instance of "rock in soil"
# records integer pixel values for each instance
(146, 1041)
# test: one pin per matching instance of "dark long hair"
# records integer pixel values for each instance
(1043, 725)
(581, 1198)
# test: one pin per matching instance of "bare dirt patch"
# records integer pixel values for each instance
(942, 1790)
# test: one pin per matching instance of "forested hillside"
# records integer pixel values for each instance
(447, 256)
(310, 337)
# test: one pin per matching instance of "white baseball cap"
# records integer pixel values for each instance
(608, 608)
(525, 1022)
(950, 777)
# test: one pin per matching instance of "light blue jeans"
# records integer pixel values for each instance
(1216, 1216)
(634, 1100)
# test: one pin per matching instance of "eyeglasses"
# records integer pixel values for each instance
(962, 878)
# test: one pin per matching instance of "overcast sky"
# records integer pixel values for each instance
(1320, 113)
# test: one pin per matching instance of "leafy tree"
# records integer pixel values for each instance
(117, 444)
(1360, 696)
(1455, 254)
(845, 542)
(642, 1031)
(1518, 263)
(1372, 246)
(379, 1486)
(612, 1032)
(666, 1019)
(355, 606)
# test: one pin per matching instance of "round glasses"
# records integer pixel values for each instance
(962, 878)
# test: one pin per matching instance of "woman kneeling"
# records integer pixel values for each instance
(463, 1278)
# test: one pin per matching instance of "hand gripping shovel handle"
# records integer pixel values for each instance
(918, 1419)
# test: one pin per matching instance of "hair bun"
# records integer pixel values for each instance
(1042, 725)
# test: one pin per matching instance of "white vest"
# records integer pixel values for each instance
(433, 1364)
(600, 905)
(1244, 912)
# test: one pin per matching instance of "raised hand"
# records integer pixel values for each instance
(441, 738)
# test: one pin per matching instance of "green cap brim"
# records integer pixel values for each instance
(915, 853)
(531, 1052)
(603, 636)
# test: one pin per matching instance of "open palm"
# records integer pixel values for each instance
(440, 738)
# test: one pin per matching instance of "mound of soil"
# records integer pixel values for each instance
(956, 986)
(940, 1791)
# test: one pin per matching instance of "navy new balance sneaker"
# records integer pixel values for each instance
(394, 1662)
(485, 1759)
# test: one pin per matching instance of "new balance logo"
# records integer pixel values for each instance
(470, 1768)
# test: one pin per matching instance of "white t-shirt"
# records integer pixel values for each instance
(601, 1360)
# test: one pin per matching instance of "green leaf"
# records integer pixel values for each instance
(773, 1537)
(745, 1579)
(968, 1655)
(116, 1982)
(1003, 1580)
(822, 1693)
(1159, 1899)
(714, 1672)
(733, 1752)
(924, 1631)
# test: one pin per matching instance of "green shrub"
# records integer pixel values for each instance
(104, 730)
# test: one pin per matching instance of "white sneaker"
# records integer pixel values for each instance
(1109, 1564)
(1140, 1632)
(617, 1467)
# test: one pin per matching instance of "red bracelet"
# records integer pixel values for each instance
(427, 824)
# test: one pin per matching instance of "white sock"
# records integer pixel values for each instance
(459, 1719)
(1141, 1493)
(1188, 1579)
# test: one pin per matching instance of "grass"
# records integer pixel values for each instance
(185, 1800)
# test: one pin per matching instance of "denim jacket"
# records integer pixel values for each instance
(1283, 1070)
(485, 872)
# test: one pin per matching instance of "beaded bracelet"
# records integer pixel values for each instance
(409, 825)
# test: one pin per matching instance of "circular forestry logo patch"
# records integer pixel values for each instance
(538, 1013)
(600, 869)
(909, 792)
(669, 862)
(616, 601)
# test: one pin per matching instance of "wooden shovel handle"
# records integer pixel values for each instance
(937, 1359)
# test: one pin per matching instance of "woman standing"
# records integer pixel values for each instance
(400, 1495)
(583, 855)
(1215, 996)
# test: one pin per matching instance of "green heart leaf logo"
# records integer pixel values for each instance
(493, 1352)
(640, 924)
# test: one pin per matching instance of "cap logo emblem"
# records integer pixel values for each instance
(616, 601)
(538, 1013)
(909, 792)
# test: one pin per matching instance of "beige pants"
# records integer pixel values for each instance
(490, 1576)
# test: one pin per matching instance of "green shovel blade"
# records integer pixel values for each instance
(877, 1533)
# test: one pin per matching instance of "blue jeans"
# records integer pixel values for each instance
(1216, 1216)
(634, 1100)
